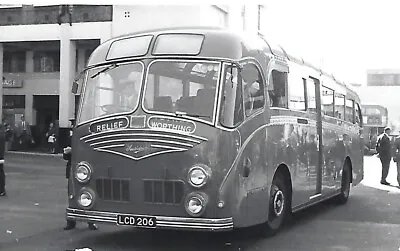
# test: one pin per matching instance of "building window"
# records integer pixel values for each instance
(13, 101)
(85, 16)
(46, 61)
(14, 61)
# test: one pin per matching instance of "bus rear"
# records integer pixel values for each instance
(376, 119)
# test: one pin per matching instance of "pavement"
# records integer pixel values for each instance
(32, 218)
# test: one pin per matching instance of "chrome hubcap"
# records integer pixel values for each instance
(279, 203)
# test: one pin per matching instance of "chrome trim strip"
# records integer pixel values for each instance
(143, 134)
(1, 161)
(169, 147)
(110, 146)
(131, 157)
(142, 129)
(162, 221)
(315, 196)
(311, 203)
(141, 140)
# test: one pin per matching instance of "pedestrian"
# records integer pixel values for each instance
(71, 224)
(384, 150)
(51, 137)
(24, 134)
(396, 157)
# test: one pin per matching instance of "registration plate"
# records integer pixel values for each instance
(137, 221)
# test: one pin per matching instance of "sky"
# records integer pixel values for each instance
(347, 37)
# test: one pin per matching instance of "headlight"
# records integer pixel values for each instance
(83, 172)
(198, 176)
(195, 203)
(85, 199)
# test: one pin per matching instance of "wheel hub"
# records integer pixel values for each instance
(279, 203)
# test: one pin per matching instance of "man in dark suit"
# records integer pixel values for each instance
(67, 156)
(396, 156)
(384, 149)
(24, 134)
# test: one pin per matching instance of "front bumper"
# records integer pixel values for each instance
(163, 222)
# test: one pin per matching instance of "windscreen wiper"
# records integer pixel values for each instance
(180, 114)
(110, 67)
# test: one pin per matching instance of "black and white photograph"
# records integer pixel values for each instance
(200, 126)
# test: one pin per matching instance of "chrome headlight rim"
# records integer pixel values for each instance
(89, 170)
(205, 169)
(202, 198)
(88, 192)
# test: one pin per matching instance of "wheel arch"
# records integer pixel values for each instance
(285, 172)
(347, 162)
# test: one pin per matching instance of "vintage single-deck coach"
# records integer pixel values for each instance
(205, 129)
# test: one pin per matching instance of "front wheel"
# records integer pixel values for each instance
(343, 197)
(279, 204)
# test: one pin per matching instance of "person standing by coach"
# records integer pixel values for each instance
(384, 150)
(67, 156)
(396, 157)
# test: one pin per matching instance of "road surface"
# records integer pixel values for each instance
(32, 218)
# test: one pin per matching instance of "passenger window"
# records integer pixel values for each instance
(311, 104)
(277, 89)
(358, 117)
(231, 113)
(253, 88)
(339, 106)
(327, 101)
(297, 94)
(349, 116)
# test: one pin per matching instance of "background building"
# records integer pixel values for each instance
(383, 88)
(39, 57)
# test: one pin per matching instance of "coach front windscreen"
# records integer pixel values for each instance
(110, 90)
(182, 88)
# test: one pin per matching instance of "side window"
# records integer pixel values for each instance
(297, 94)
(253, 88)
(311, 103)
(327, 101)
(358, 117)
(339, 106)
(277, 89)
(349, 116)
(231, 113)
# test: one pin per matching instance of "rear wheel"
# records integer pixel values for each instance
(343, 197)
(279, 204)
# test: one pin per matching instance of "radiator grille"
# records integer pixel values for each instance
(113, 189)
(163, 191)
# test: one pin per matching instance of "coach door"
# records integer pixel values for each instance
(314, 138)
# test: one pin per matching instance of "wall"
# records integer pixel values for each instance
(139, 17)
(51, 32)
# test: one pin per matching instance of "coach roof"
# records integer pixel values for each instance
(217, 43)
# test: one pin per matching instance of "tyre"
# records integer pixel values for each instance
(279, 204)
(343, 197)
